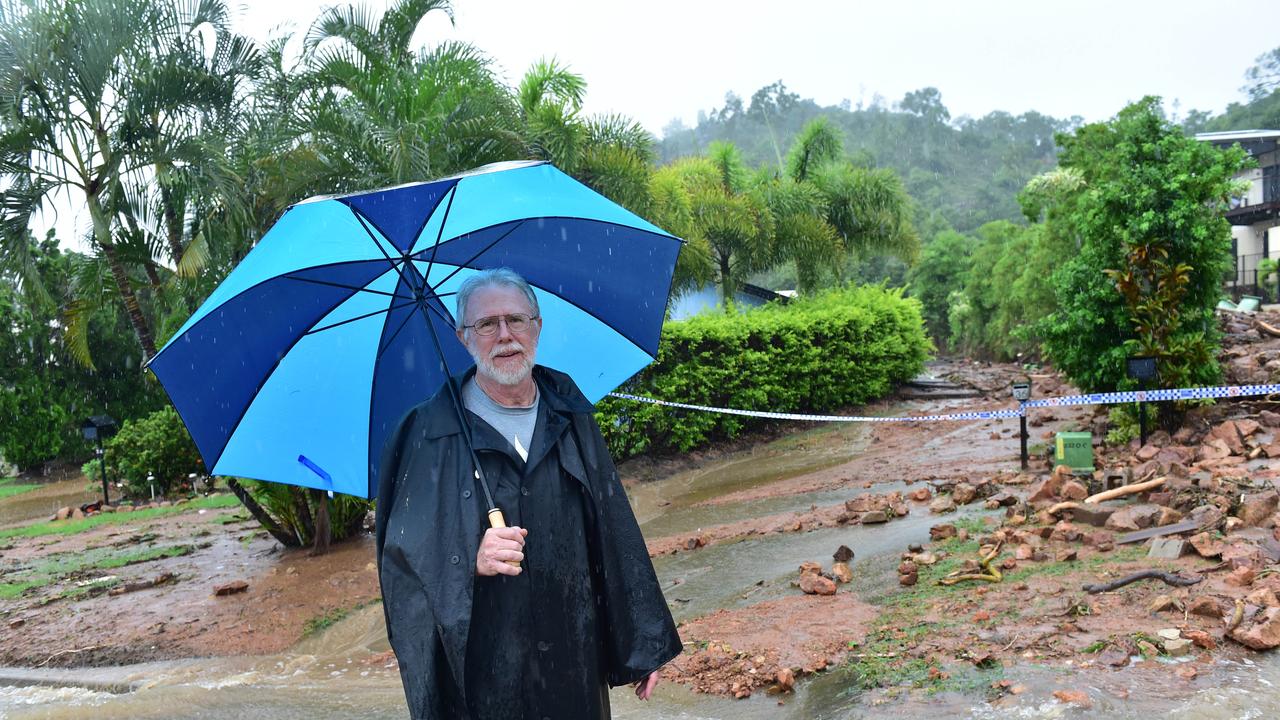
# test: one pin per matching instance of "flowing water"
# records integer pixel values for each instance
(341, 673)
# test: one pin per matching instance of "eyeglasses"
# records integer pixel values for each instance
(516, 323)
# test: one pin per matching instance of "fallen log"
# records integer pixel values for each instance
(1272, 331)
(1167, 577)
(1063, 506)
(1125, 490)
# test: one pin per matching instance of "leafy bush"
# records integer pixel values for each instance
(1148, 217)
(35, 422)
(837, 349)
(294, 511)
(157, 443)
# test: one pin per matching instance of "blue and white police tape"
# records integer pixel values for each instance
(1226, 391)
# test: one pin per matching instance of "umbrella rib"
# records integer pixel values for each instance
(346, 287)
(464, 265)
(394, 335)
(359, 317)
(394, 266)
(440, 233)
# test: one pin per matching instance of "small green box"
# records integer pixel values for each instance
(1075, 450)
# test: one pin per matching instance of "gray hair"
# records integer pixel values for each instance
(497, 277)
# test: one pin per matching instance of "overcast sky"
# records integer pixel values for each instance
(664, 59)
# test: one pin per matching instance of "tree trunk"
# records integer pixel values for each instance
(172, 222)
(102, 233)
(281, 535)
(727, 288)
(323, 532)
(302, 507)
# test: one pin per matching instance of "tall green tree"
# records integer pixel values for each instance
(939, 274)
(97, 98)
(377, 112)
(1147, 218)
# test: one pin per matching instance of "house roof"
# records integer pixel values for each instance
(1254, 142)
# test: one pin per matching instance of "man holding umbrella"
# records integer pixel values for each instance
(538, 619)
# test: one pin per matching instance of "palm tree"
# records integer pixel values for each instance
(378, 113)
(98, 98)
(868, 208)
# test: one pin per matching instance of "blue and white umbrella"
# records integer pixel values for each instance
(298, 365)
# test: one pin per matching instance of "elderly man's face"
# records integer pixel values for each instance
(505, 357)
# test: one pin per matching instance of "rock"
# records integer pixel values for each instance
(1164, 603)
(942, 532)
(62, 514)
(1065, 532)
(963, 493)
(813, 584)
(291, 570)
(1247, 427)
(1256, 508)
(17, 623)
(1072, 490)
(1214, 449)
(1272, 450)
(1047, 489)
(1232, 524)
(1147, 452)
(786, 679)
(1177, 648)
(1009, 564)
(942, 505)
(231, 588)
(1078, 698)
(1095, 515)
(810, 568)
(1206, 546)
(1200, 638)
(1003, 499)
(1229, 434)
(1263, 597)
(1205, 606)
(1134, 517)
(1024, 552)
(1169, 633)
(77, 514)
(1270, 419)
(874, 517)
(1167, 548)
(1168, 516)
(908, 568)
(908, 580)
(915, 548)
(842, 554)
(1207, 517)
(1241, 577)
(841, 572)
(1067, 555)
(1261, 632)
(924, 558)
(1187, 672)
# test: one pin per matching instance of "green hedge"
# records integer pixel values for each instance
(835, 350)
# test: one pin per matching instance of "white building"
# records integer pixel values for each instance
(1255, 216)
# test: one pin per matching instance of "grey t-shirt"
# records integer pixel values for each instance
(513, 423)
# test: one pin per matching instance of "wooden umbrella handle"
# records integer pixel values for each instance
(496, 520)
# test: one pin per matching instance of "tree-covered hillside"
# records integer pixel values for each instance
(965, 170)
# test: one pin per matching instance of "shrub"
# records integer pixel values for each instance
(157, 443)
(837, 349)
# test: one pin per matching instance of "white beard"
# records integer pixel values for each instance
(514, 376)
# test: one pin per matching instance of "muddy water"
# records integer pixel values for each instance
(340, 674)
(43, 502)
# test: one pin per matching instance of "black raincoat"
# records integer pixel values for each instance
(430, 519)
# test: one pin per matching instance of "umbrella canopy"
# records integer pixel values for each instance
(301, 362)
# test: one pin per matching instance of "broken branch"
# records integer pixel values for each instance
(1125, 490)
(989, 573)
(1166, 577)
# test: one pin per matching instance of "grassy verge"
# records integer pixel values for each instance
(70, 527)
(10, 486)
(66, 566)
(327, 620)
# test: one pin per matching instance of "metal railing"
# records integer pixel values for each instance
(1246, 280)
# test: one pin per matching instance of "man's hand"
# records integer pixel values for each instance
(644, 688)
(499, 546)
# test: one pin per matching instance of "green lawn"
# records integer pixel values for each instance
(10, 486)
(69, 527)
